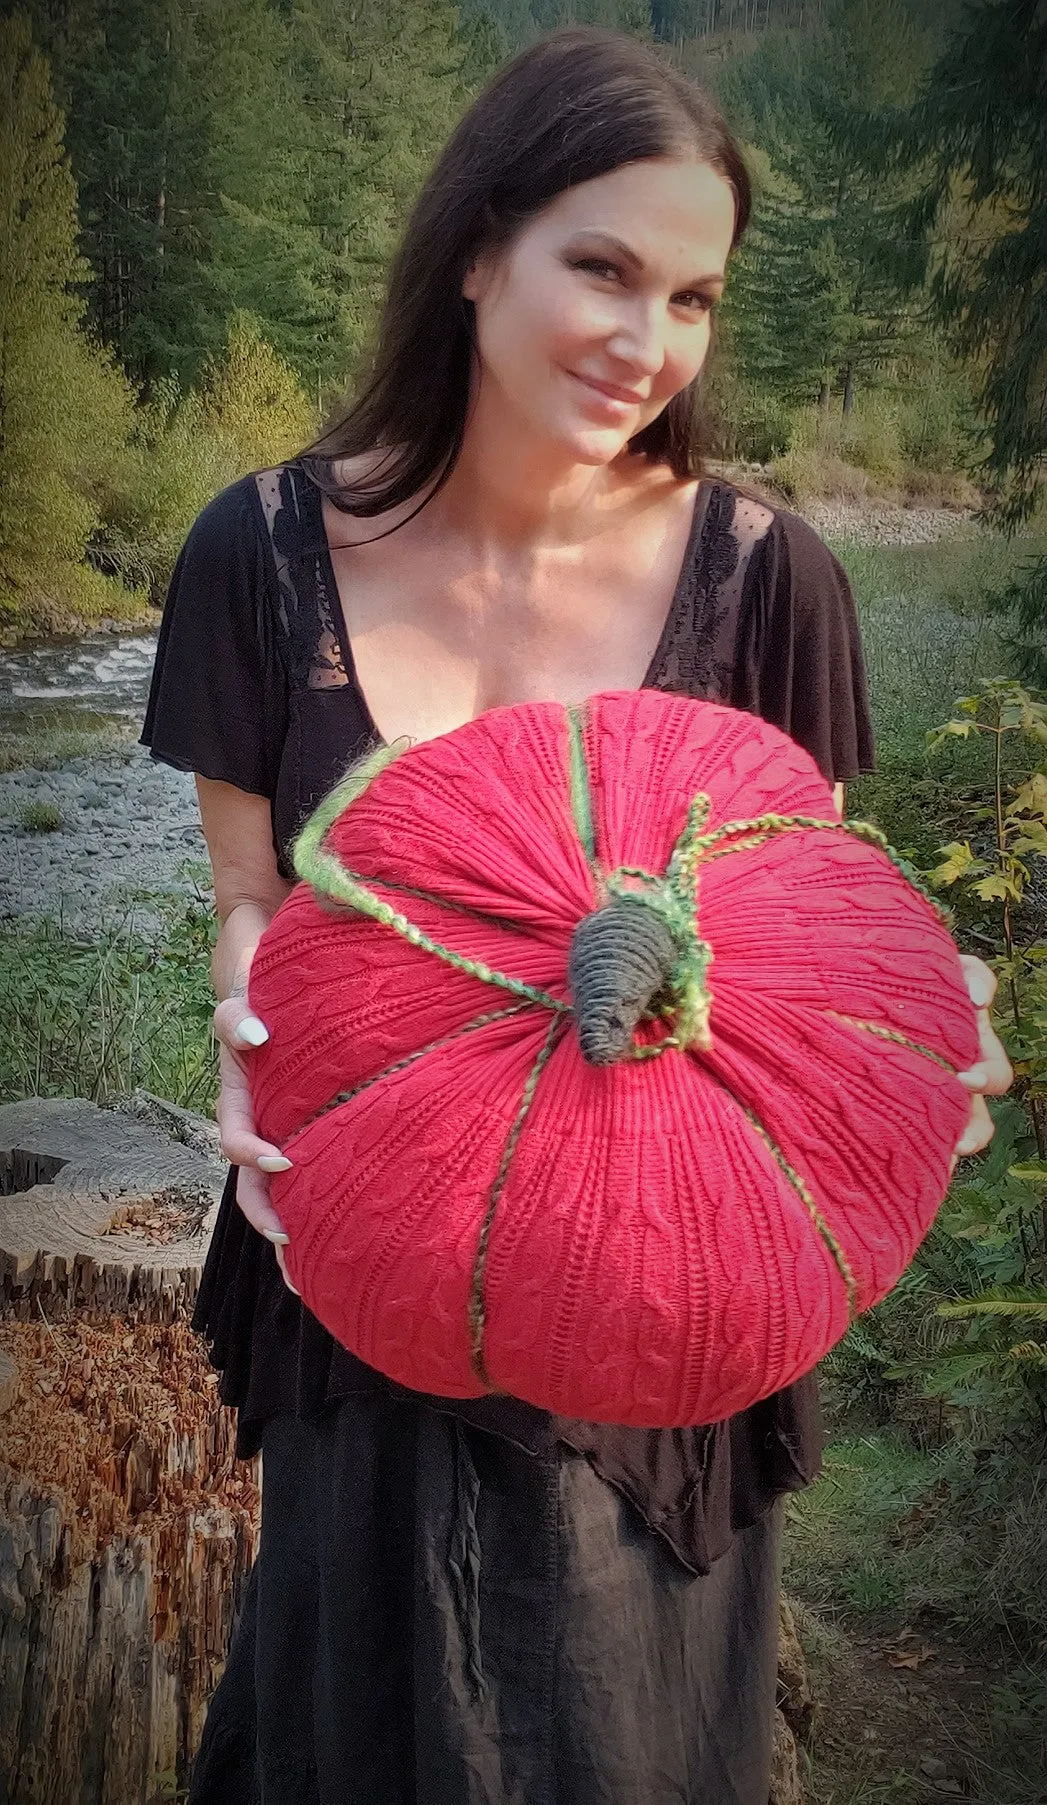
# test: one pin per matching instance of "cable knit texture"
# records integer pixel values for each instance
(657, 1240)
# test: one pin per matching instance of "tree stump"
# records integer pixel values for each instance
(127, 1528)
(795, 1713)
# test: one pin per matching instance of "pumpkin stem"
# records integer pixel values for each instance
(621, 957)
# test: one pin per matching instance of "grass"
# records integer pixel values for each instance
(898, 1555)
(95, 1018)
(39, 817)
(46, 745)
(927, 640)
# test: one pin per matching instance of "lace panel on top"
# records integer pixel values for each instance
(697, 657)
(306, 606)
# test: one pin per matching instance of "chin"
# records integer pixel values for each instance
(593, 444)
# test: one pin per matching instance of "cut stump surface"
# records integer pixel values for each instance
(127, 1526)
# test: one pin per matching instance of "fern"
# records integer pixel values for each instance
(1002, 1300)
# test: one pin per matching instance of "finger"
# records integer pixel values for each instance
(993, 1073)
(241, 1143)
(238, 1027)
(280, 1261)
(978, 1132)
(980, 979)
(252, 1196)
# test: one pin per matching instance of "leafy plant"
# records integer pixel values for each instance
(987, 1258)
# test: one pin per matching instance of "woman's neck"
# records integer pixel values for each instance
(510, 498)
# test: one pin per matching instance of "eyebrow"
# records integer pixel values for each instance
(716, 278)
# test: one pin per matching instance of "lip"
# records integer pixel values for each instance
(609, 390)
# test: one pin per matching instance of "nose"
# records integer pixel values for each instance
(639, 338)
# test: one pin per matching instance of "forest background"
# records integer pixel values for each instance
(199, 198)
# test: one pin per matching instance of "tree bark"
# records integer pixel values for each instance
(794, 1716)
(127, 1528)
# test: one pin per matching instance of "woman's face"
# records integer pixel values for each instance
(599, 311)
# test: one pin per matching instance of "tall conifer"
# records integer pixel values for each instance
(64, 409)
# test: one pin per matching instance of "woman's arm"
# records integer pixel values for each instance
(248, 891)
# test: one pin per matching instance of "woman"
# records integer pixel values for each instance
(474, 1603)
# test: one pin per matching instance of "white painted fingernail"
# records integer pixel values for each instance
(277, 1237)
(291, 1288)
(976, 1079)
(273, 1162)
(251, 1032)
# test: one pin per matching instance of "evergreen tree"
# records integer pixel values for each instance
(183, 130)
(376, 106)
(825, 289)
(64, 409)
(980, 134)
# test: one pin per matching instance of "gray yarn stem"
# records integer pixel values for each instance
(620, 958)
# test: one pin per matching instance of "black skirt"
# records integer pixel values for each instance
(439, 1617)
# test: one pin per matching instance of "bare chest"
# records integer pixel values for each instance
(435, 643)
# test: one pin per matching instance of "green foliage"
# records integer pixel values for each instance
(1022, 605)
(822, 291)
(239, 156)
(980, 136)
(251, 402)
(65, 410)
(248, 413)
(93, 1020)
(40, 817)
(984, 1267)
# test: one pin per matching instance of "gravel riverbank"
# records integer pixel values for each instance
(129, 837)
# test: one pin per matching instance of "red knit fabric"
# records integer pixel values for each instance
(653, 1259)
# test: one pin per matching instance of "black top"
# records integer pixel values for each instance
(254, 685)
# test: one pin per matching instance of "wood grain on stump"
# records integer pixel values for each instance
(127, 1528)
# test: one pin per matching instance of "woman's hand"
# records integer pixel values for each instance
(992, 1075)
(238, 1032)
(248, 888)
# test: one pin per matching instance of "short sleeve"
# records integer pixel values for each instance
(218, 700)
(805, 670)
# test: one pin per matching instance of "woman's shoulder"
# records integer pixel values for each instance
(757, 514)
(231, 518)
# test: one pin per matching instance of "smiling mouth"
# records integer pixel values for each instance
(621, 397)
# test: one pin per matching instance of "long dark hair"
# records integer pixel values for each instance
(573, 106)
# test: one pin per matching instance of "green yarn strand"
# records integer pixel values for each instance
(477, 1301)
(803, 1192)
(308, 846)
(898, 1039)
(409, 1059)
(330, 878)
(581, 789)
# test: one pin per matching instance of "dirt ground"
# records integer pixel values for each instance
(910, 1715)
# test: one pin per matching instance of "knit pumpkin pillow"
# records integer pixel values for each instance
(616, 1073)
